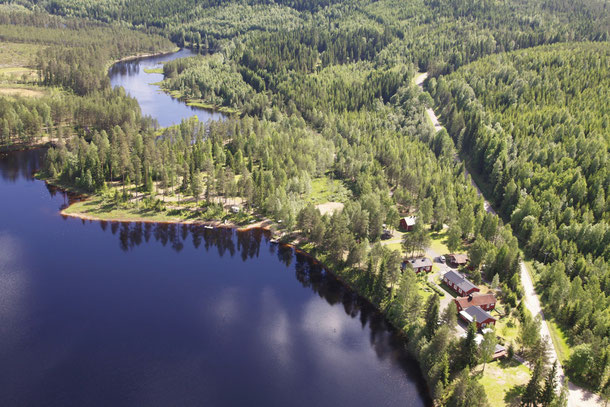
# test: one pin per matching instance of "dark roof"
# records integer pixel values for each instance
(499, 348)
(459, 280)
(420, 262)
(478, 313)
(481, 299)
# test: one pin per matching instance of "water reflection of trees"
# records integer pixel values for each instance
(20, 165)
(226, 241)
(383, 338)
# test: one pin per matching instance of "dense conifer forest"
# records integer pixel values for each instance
(324, 92)
(537, 123)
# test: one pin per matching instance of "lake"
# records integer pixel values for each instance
(153, 101)
(133, 314)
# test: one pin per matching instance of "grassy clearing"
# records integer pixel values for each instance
(14, 54)
(326, 190)
(504, 381)
(438, 243)
(22, 91)
(153, 70)
(97, 207)
(559, 341)
(508, 328)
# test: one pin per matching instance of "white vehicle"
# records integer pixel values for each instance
(442, 259)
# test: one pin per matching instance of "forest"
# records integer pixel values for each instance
(536, 122)
(324, 91)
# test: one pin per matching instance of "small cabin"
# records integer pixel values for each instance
(407, 223)
(457, 260)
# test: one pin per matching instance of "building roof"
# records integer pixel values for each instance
(473, 312)
(419, 262)
(458, 258)
(499, 348)
(459, 280)
(410, 220)
(478, 300)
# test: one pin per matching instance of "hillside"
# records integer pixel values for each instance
(536, 126)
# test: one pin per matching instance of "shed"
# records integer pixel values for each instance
(456, 260)
(408, 222)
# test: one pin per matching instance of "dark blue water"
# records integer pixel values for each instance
(153, 101)
(109, 314)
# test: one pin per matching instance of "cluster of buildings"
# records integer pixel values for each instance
(471, 305)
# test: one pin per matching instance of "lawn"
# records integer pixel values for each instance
(438, 243)
(508, 328)
(559, 341)
(504, 381)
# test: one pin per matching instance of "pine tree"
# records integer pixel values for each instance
(548, 394)
(431, 318)
(469, 346)
(532, 390)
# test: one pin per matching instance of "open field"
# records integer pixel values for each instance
(504, 381)
(14, 54)
(23, 91)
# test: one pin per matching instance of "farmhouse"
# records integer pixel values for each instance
(457, 260)
(408, 223)
(459, 283)
(485, 301)
(419, 264)
(474, 313)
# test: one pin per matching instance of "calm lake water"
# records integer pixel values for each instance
(153, 101)
(131, 314)
(110, 314)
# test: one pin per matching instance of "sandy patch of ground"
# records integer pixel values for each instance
(330, 207)
(21, 92)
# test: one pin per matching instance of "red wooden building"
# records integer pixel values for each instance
(485, 301)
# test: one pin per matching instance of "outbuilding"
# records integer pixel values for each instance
(457, 260)
(408, 222)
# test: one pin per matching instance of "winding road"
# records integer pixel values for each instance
(578, 397)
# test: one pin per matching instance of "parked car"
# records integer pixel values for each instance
(442, 259)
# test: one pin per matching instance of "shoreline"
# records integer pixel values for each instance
(264, 224)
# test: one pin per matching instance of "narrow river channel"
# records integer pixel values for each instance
(130, 314)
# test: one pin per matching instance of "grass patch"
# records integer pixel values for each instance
(559, 341)
(153, 70)
(504, 381)
(13, 54)
(395, 246)
(22, 91)
(508, 329)
(438, 243)
(326, 190)
(208, 106)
